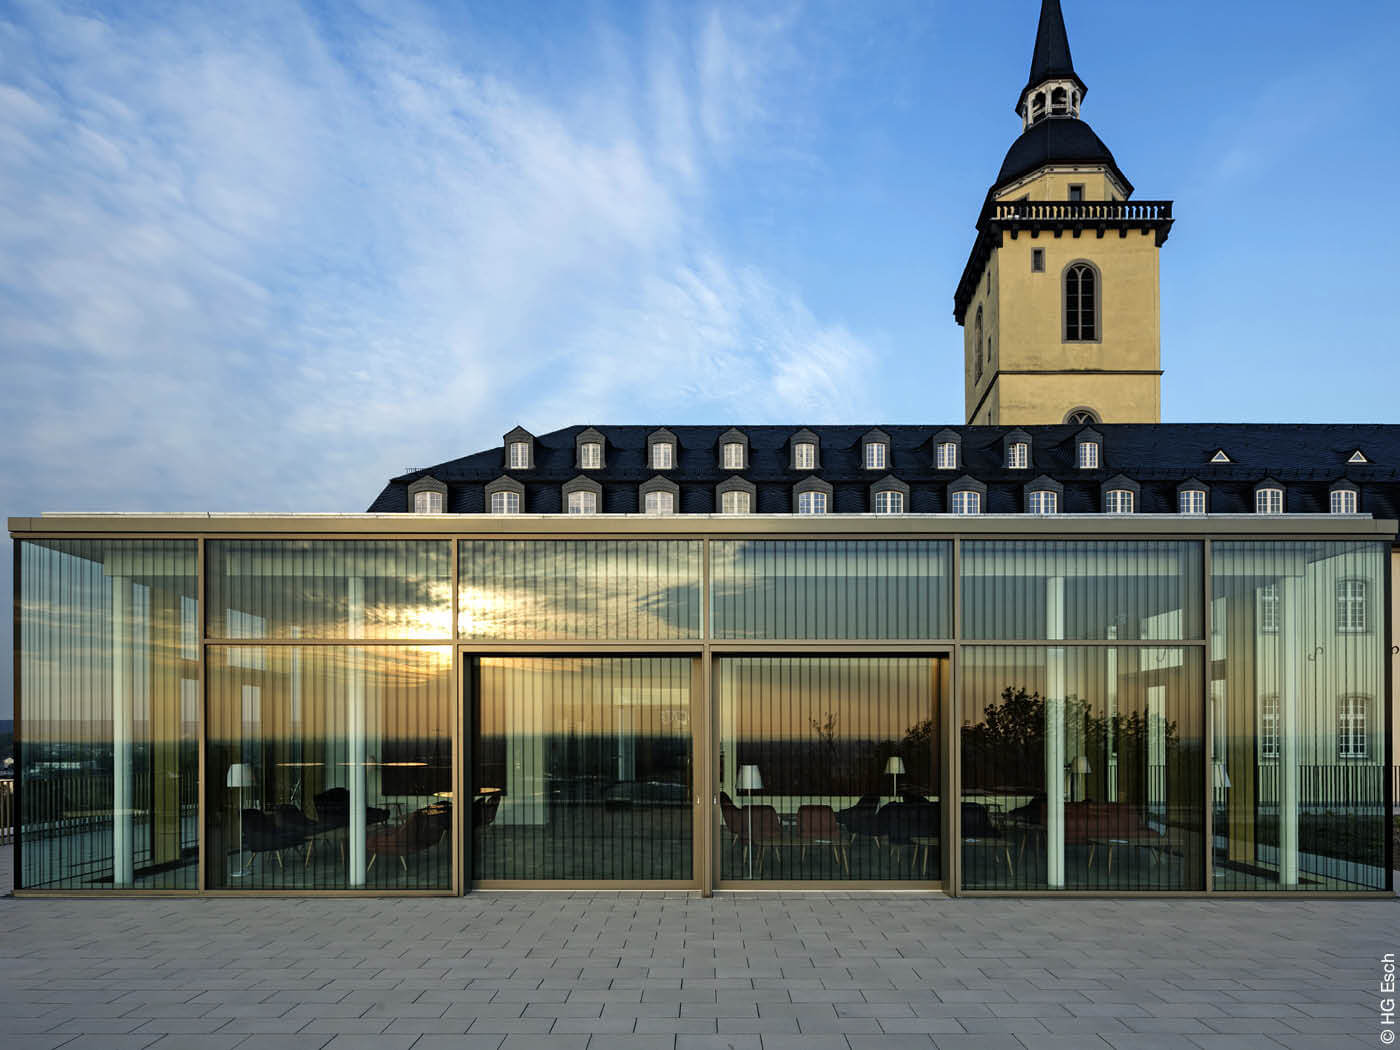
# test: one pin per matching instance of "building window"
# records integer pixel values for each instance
(804, 456)
(977, 348)
(1220, 457)
(1118, 501)
(1351, 606)
(1037, 260)
(1343, 501)
(947, 455)
(1018, 455)
(811, 503)
(876, 456)
(1043, 501)
(889, 503)
(966, 501)
(1081, 417)
(590, 455)
(1351, 727)
(583, 503)
(1191, 501)
(505, 503)
(735, 503)
(1268, 727)
(1059, 103)
(1081, 304)
(1269, 608)
(733, 455)
(663, 455)
(519, 455)
(1087, 455)
(660, 503)
(427, 503)
(1076, 193)
(1268, 501)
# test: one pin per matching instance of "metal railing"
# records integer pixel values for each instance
(1078, 211)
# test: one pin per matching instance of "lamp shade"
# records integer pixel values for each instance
(895, 765)
(749, 780)
(1081, 765)
(240, 775)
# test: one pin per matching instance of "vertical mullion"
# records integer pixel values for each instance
(201, 708)
(1207, 726)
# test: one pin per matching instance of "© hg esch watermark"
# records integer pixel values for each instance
(1388, 1002)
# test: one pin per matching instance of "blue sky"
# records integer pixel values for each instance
(262, 256)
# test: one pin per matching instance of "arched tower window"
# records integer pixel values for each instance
(1081, 303)
(1059, 102)
(1082, 417)
(977, 348)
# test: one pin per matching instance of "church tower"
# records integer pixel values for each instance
(1059, 301)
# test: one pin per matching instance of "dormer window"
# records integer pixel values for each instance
(1268, 500)
(1087, 455)
(427, 495)
(733, 455)
(1191, 501)
(1343, 501)
(1220, 457)
(520, 449)
(947, 456)
(590, 455)
(1042, 501)
(876, 456)
(735, 502)
(804, 456)
(812, 496)
(582, 495)
(966, 501)
(889, 502)
(505, 502)
(1358, 457)
(811, 502)
(583, 503)
(659, 502)
(1118, 501)
(427, 502)
(519, 455)
(1018, 456)
(663, 455)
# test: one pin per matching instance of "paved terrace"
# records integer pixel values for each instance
(669, 971)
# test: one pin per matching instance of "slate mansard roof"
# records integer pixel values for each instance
(1307, 459)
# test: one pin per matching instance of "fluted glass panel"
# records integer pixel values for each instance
(1298, 715)
(541, 590)
(837, 589)
(329, 767)
(109, 666)
(329, 589)
(1081, 590)
(1081, 768)
(582, 768)
(829, 768)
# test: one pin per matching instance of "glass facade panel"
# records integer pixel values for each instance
(1081, 768)
(582, 768)
(110, 705)
(818, 589)
(1297, 652)
(1081, 590)
(329, 767)
(329, 589)
(542, 590)
(828, 768)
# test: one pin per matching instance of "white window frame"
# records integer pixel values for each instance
(1191, 501)
(1269, 605)
(732, 455)
(506, 501)
(966, 502)
(663, 455)
(583, 502)
(804, 456)
(811, 502)
(1268, 501)
(1086, 456)
(1351, 609)
(947, 455)
(590, 455)
(735, 502)
(876, 455)
(1343, 501)
(427, 501)
(519, 455)
(1351, 727)
(890, 501)
(1269, 726)
(1018, 456)
(1119, 501)
(659, 501)
(1043, 501)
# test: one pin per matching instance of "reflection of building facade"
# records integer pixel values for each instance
(1063, 647)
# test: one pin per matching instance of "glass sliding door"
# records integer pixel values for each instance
(829, 768)
(581, 769)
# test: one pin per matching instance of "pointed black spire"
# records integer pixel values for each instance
(1051, 60)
